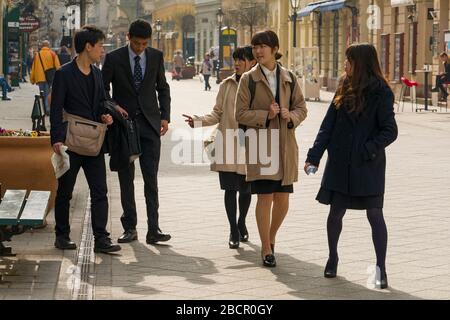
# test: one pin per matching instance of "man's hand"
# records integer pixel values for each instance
(274, 109)
(122, 111)
(285, 113)
(189, 120)
(107, 119)
(164, 127)
(57, 147)
(307, 164)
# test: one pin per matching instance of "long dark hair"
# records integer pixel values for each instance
(366, 75)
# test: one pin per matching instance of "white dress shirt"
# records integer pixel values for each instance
(271, 78)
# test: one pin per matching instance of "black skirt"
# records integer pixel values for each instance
(233, 181)
(270, 186)
(346, 201)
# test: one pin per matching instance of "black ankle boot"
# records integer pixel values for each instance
(331, 268)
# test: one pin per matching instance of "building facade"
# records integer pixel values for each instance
(206, 27)
(408, 34)
(178, 28)
(442, 36)
(277, 20)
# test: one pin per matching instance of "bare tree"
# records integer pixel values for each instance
(248, 14)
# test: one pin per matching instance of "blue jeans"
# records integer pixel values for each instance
(5, 87)
(44, 87)
(207, 85)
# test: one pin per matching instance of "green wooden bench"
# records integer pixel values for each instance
(19, 211)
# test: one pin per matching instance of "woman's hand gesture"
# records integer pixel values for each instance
(189, 120)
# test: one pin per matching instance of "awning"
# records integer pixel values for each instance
(322, 6)
(308, 9)
(402, 3)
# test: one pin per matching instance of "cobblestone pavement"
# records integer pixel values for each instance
(197, 264)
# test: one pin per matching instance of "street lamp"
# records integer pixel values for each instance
(63, 21)
(295, 4)
(219, 16)
(158, 26)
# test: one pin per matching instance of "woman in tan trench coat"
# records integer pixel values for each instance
(270, 114)
(231, 170)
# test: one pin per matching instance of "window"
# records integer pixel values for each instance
(204, 47)
(211, 39)
(199, 57)
(412, 48)
(355, 26)
(384, 56)
(396, 16)
(204, 43)
(399, 52)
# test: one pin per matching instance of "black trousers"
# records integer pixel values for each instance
(95, 172)
(149, 162)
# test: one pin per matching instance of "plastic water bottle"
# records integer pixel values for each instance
(311, 169)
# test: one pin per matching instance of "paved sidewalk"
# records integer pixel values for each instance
(197, 264)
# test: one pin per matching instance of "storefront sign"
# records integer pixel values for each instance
(29, 23)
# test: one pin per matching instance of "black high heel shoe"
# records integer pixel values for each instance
(232, 242)
(383, 282)
(243, 233)
(331, 268)
(269, 261)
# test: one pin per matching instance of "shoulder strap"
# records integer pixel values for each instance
(43, 68)
(252, 88)
(292, 84)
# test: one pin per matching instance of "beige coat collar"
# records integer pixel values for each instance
(231, 78)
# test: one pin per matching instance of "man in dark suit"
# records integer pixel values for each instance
(136, 73)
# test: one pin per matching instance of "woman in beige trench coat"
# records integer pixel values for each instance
(231, 170)
(270, 114)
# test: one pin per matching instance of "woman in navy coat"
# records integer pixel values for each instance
(357, 128)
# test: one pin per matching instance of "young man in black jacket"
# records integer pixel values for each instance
(140, 92)
(78, 90)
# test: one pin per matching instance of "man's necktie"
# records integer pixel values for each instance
(137, 72)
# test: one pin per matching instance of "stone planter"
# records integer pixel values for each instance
(25, 164)
(188, 72)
